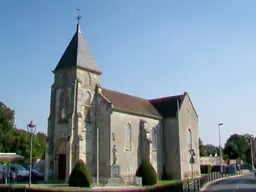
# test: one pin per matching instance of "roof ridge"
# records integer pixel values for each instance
(167, 97)
(131, 104)
(125, 94)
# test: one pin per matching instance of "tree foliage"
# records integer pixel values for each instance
(13, 140)
(202, 149)
(212, 149)
(208, 149)
(237, 147)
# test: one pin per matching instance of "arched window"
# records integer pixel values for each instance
(62, 109)
(128, 138)
(154, 137)
(88, 79)
(189, 138)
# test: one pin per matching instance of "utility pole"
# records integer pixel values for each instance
(252, 154)
(98, 156)
(221, 170)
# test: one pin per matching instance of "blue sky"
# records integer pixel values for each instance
(147, 48)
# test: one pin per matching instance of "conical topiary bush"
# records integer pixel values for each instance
(80, 176)
(147, 172)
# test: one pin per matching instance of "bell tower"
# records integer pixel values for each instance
(71, 123)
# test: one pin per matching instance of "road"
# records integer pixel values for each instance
(245, 183)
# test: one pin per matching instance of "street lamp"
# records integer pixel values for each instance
(31, 129)
(252, 153)
(220, 147)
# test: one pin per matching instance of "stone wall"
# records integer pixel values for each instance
(210, 160)
(130, 160)
(189, 139)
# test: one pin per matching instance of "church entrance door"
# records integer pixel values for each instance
(61, 159)
(62, 166)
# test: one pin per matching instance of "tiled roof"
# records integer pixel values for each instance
(167, 106)
(130, 104)
(77, 54)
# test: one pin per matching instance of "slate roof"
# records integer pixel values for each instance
(130, 104)
(77, 54)
(167, 106)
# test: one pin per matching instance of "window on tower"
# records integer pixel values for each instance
(63, 114)
(63, 107)
(88, 79)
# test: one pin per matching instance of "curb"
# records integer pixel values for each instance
(211, 182)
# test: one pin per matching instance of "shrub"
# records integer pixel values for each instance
(147, 173)
(205, 169)
(80, 176)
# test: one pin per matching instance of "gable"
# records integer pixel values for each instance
(186, 96)
(168, 106)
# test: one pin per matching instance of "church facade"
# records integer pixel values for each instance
(113, 132)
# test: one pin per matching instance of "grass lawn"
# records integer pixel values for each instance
(163, 182)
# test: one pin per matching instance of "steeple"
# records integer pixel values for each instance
(77, 54)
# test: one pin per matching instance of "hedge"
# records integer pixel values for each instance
(205, 169)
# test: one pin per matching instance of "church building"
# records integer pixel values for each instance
(113, 132)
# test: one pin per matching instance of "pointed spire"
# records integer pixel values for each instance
(77, 54)
(78, 28)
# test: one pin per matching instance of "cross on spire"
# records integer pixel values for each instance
(78, 16)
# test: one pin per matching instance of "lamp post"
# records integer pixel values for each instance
(220, 147)
(31, 127)
(98, 158)
(252, 154)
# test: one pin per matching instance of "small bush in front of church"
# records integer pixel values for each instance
(147, 172)
(80, 176)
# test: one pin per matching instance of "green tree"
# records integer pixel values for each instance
(6, 124)
(6, 118)
(13, 140)
(212, 149)
(236, 147)
(202, 149)
(248, 153)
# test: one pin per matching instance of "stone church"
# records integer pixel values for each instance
(84, 117)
